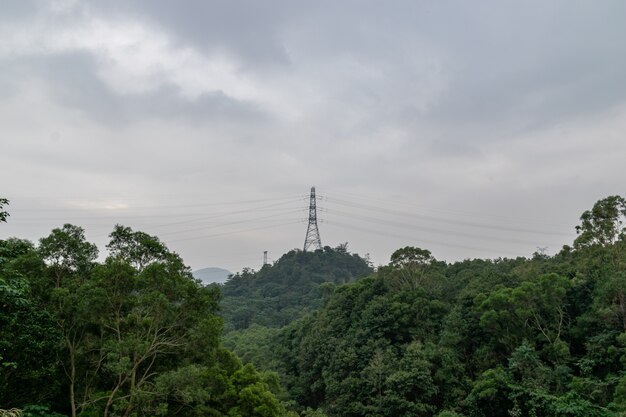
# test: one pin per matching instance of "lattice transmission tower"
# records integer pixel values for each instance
(312, 232)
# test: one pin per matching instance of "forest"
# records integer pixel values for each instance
(315, 334)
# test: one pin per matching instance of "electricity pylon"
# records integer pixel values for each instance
(312, 232)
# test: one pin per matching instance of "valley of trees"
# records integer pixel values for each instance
(315, 334)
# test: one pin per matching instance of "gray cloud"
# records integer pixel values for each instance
(535, 64)
(506, 112)
(74, 83)
(17, 9)
(249, 28)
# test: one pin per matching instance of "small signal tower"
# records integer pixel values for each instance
(312, 232)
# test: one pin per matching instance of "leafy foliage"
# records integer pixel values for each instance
(294, 285)
(603, 224)
(28, 336)
(544, 336)
(136, 335)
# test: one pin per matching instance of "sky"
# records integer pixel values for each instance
(472, 129)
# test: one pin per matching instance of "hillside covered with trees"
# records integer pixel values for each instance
(134, 335)
(544, 336)
(318, 333)
(292, 286)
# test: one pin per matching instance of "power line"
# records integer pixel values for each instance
(229, 213)
(427, 229)
(225, 214)
(234, 232)
(442, 220)
(159, 207)
(423, 241)
(230, 223)
(422, 207)
(115, 216)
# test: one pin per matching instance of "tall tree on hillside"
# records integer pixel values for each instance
(70, 259)
(602, 237)
(67, 252)
(138, 248)
(411, 265)
(603, 224)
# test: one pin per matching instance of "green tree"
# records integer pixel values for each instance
(28, 335)
(537, 309)
(151, 315)
(3, 213)
(411, 266)
(138, 248)
(411, 387)
(66, 295)
(217, 390)
(67, 252)
(288, 289)
(603, 224)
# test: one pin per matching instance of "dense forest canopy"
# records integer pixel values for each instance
(292, 286)
(135, 335)
(544, 336)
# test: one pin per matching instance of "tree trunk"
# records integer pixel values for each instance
(72, 376)
(120, 381)
(133, 382)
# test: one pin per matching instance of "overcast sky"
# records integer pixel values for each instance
(473, 129)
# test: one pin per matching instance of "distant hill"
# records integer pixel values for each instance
(280, 293)
(212, 275)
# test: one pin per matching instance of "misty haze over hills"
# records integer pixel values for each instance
(212, 275)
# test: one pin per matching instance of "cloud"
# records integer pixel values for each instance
(248, 28)
(73, 81)
(131, 59)
(496, 109)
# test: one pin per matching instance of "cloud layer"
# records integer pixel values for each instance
(498, 113)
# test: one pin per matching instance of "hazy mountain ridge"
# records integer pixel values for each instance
(212, 275)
